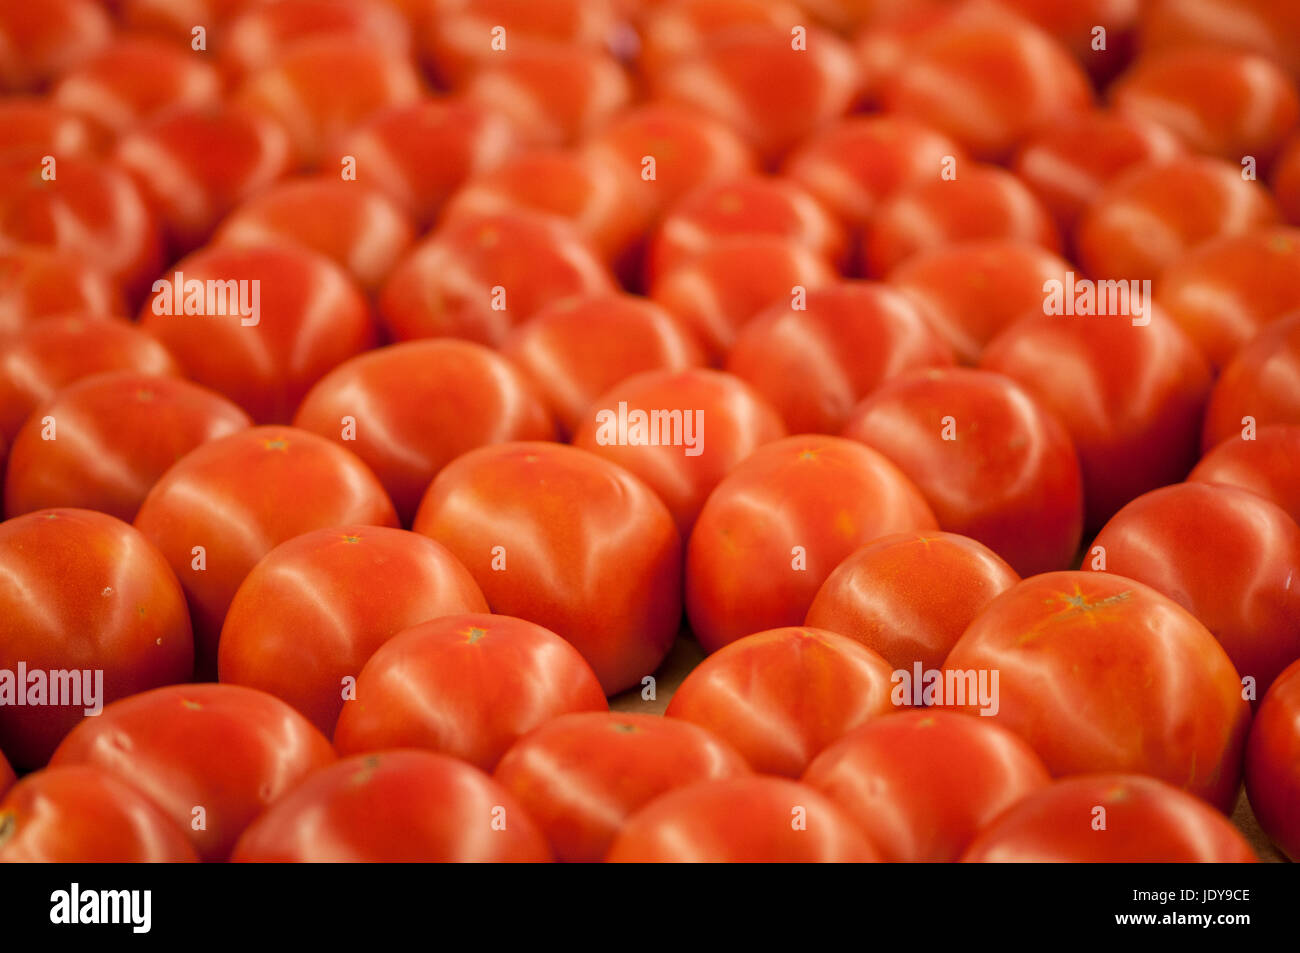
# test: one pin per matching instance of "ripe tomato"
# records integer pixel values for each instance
(886, 39)
(1273, 762)
(1270, 27)
(1072, 22)
(38, 42)
(410, 409)
(581, 776)
(674, 29)
(102, 442)
(82, 591)
(263, 33)
(1286, 181)
(1101, 673)
(922, 784)
(84, 815)
(1264, 465)
(30, 124)
(569, 541)
(211, 756)
(1261, 386)
(1110, 818)
(909, 596)
(742, 820)
(37, 283)
(374, 808)
(175, 19)
(788, 515)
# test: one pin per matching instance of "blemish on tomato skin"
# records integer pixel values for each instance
(474, 633)
(191, 704)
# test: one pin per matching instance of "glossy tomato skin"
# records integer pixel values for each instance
(1102, 673)
(374, 808)
(224, 748)
(1264, 465)
(40, 283)
(410, 409)
(1261, 26)
(465, 685)
(564, 539)
(41, 42)
(83, 590)
(680, 28)
(30, 122)
(742, 820)
(1146, 821)
(261, 486)
(788, 515)
(1021, 494)
(264, 32)
(1259, 384)
(1273, 762)
(922, 784)
(909, 596)
(581, 776)
(314, 610)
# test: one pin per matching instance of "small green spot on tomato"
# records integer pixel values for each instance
(474, 633)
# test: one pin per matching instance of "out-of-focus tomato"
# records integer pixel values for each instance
(569, 541)
(1101, 673)
(1286, 181)
(30, 123)
(263, 33)
(1270, 27)
(581, 776)
(1110, 818)
(886, 39)
(374, 808)
(1273, 762)
(922, 784)
(175, 19)
(1262, 383)
(40, 41)
(909, 596)
(102, 442)
(742, 820)
(84, 815)
(85, 593)
(788, 515)
(1072, 24)
(991, 462)
(673, 29)
(211, 756)
(37, 283)
(1265, 465)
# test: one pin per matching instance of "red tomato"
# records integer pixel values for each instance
(909, 596)
(787, 516)
(720, 421)
(1101, 673)
(1261, 386)
(1072, 22)
(211, 756)
(922, 784)
(37, 283)
(176, 18)
(1270, 27)
(82, 592)
(1273, 762)
(1286, 181)
(30, 124)
(581, 776)
(264, 352)
(1019, 492)
(674, 29)
(465, 685)
(40, 41)
(1131, 397)
(282, 637)
(569, 541)
(83, 815)
(742, 820)
(410, 409)
(479, 277)
(815, 363)
(265, 31)
(101, 443)
(886, 40)
(375, 808)
(1227, 556)
(259, 487)
(1264, 465)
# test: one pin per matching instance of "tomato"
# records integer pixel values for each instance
(922, 784)
(1072, 22)
(410, 409)
(1110, 818)
(1286, 181)
(37, 283)
(1273, 762)
(1264, 465)
(264, 32)
(374, 808)
(742, 820)
(886, 39)
(909, 596)
(84, 815)
(82, 592)
(581, 776)
(1157, 211)
(37, 43)
(787, 515)
(282, 637)
(1130, 396)
(479, 277)
(361, 229)
(175, 19)
(465, 685)
(259, 487)
(1261, 386)
(1270, 27)
(59, 351)
(101, 443)
(29, 124)
(980, 202)
(211, 756)
(720, 420)
(577, 348)
(815, 363)
(675, 29)
(1019, 493)
(569, 541)
(1103, 674)
(1227, 556)
(292, 316)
